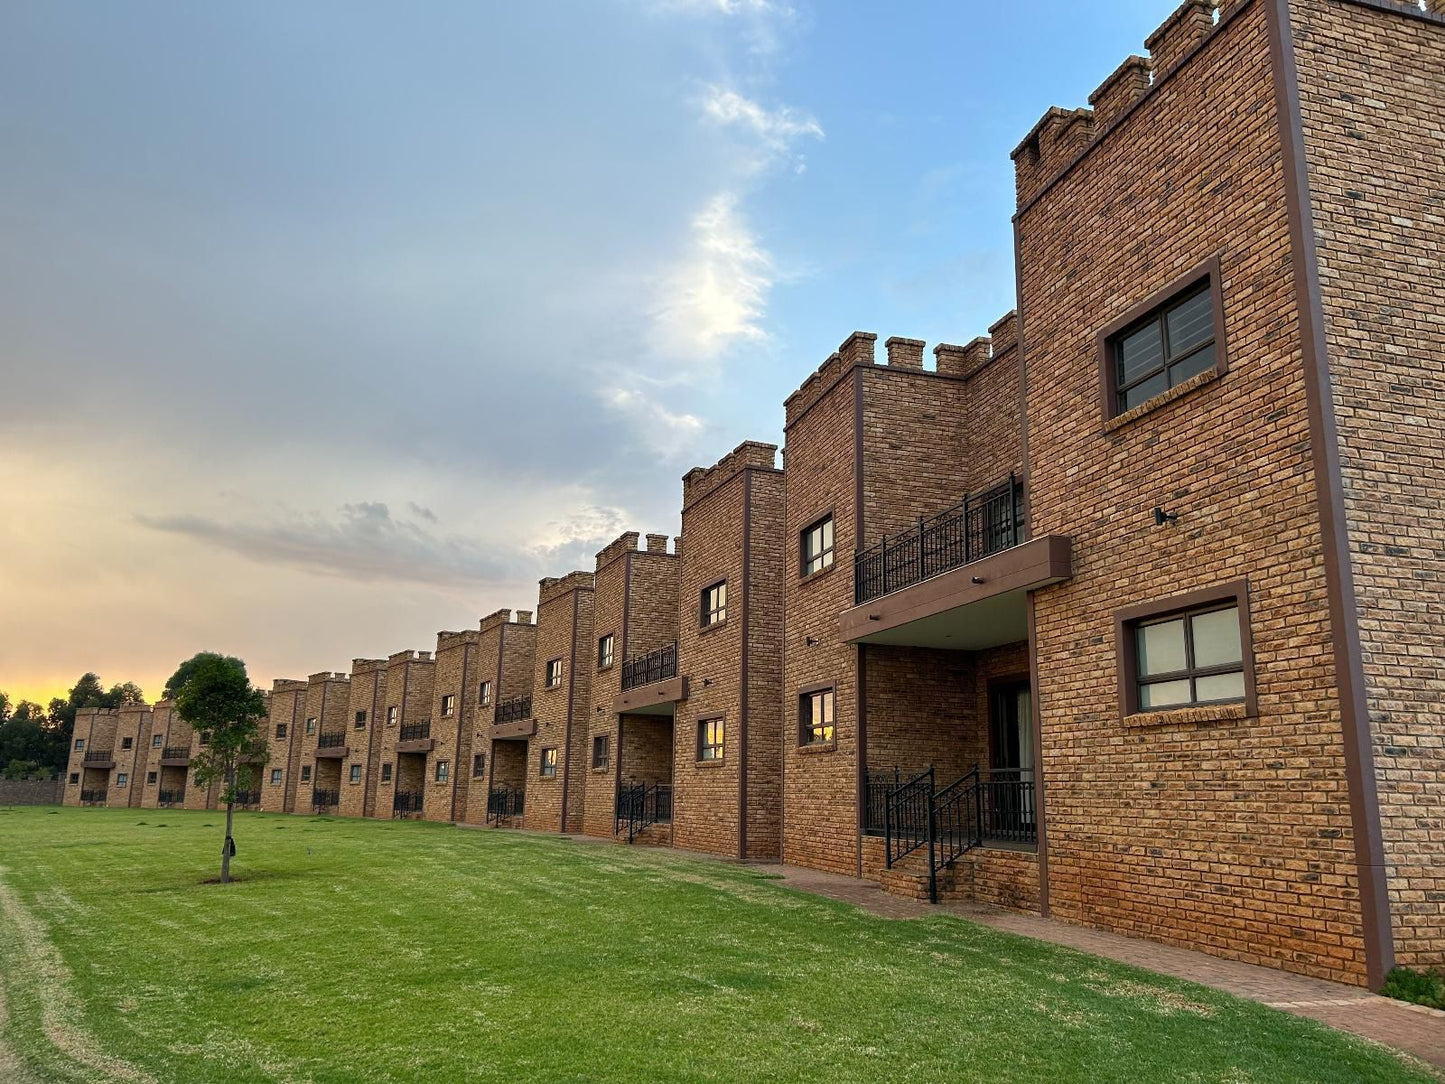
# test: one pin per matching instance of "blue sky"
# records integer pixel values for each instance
(325, 326)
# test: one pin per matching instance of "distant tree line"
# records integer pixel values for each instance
(35, 741)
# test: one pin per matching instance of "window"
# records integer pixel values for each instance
(356, 773)
(449, 705)
(484, 693)
(441, 772)
(74, 778)
(386, 773)
(815, 551)
(204, 739)
(815, 717)
(479, 765)
(549, 763)
(126, 743)
(150, 779)
(710, 734)
(605, 651)
(311, 725)
(280, 730)
(1170, 338)
(599, 750)
(714, 609)
(79, 744)
(306, 773)
(1189, 651)
(121, 779)
(391, 716)
(361, 720)
(157, 740)
(275, 777)
(554, 673)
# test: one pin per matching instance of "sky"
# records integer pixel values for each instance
(327, 326)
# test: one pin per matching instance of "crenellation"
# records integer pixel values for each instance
(905, 353)
(624, 543)
(1120, 91)
(1186, 26)
(700, 481)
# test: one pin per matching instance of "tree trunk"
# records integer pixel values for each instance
(230, 812)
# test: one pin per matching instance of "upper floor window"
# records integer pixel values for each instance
(79, 744)
(356, 773)
(449, 704)
(606, 648)
(391, 715)
(360, 720)
(126, 743)
(479, 765)
(714, 610)
(280, 730)
(1168, 339)
(311, 725)
(554, 673)
(549, 763)
(306, 773)
(710, 734)
(157, 740)
(816, 547)
(600, 750)
(484, 694)
(1186, 652)
(441, 771)
(815, 717)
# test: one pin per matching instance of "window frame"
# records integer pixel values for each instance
(276, 777)
(1206, 276)
(1129, 619)
(547, 674)
(74, 779)
(122, 780)
(607, 660)
(359, 722)
(310, 724)
(704, 722)
(354, 775)
(804, 572)
(601, 742)
(449, 705)
(391, 713)
(805, 726)
(151, 779)
(386, 772)
(442, 772)
(484, 694)
(710, 616)
(479, 765)
(280, 731)
(158, 741)
(306, 773)
(79, 745)
(127, 742)
(545, 763)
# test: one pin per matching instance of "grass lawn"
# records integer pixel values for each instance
(364, 950)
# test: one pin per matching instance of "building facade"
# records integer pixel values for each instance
(507, 653)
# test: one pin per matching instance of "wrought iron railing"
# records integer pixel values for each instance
(176, 752)
(406, 801)
(509, 711)
(908, 823)
(659, 665)
(979, 525)
(876, 788)
(640, 805)
(320, 799)
(92, 796)
(99, 756)
(957, 820)
(1007, 811)
(504, 803)
(330, 739)
(415, 731)
(171, 797)
(248, 797)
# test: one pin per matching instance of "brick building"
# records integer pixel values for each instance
(404, 738)
(166, 772)
(92, 757)
(280, 777)
(502, 719)
(454, 701)
(361, 753)
(321, 745)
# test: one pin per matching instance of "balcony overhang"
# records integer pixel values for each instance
(99, 765)
(341, 752)
(657, 698)
(416, 745)
(975, 606)
(176, 762)
(518, 728)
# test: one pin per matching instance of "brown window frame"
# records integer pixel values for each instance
(601, 742)
(157, 741)
(605, 661)
(360, 720)
(719, 722)
(311, 724)
(552, 679)
(1130, 618)
(150, 779)
(74, 778)
(479, 765)
(127, 743)
(711, 615)
(449, 705)
(391, 713)
(805, 724)
(484, 694)
(354, 775)
(306, 773)
(280, 731)
(543, 764)
(276, 777)
(442, 772)
(831, 553)
(1206, 276)
(386, 773)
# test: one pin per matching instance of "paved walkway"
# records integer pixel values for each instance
(1412, 1028)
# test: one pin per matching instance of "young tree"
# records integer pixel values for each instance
(214, 695)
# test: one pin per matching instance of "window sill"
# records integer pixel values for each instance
(707, 630)
(819, 747)
(1163, 399)
(604, 669)
(814, 577)
(717, 763)
(1206, 713)
(600, 769)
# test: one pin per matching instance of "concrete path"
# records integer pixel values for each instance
(1411, 1028)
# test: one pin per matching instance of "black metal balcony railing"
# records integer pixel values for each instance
(92, 796)
(415, 731)
(248, 797)
(504, 803)
(980, 525)
(176, 752)
(171, 797)
(1007, 810)
(331, 739)
(875, 804)
(406, 801)
(659, 665)
(99, 756)
(518, 707)
(640, 805)
(320, 799)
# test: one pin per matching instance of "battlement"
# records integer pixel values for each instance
(288, 685)
(366, 666)
(857, 349)
(524, 617)
(615, 549)
(449, 641)
(409, 656)
(1061, 135)
(553, 587)
(494, 619)
(700, 481)
(326, 675)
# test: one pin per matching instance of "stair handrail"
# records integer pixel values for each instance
(916, 797)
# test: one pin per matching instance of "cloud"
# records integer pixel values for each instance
(717, 296)
(669, 433)
(363, 542)
(763, 20)
(776, 130)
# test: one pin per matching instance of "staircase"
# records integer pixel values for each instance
(639, 807)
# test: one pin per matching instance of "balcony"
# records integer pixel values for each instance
(176, 756)
(92, 797)
(650, 683)
(332, 744)
(248, 797)
(415, 738)
(406, 803)
(325, 799)
(959, 580)
(168, 798)
(509, 711)
(100, 758)
(656, 665)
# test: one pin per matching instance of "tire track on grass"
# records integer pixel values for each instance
(45, 972)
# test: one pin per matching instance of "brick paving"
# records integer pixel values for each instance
(1412, 1028)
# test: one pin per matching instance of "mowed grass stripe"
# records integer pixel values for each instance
(356, 950)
